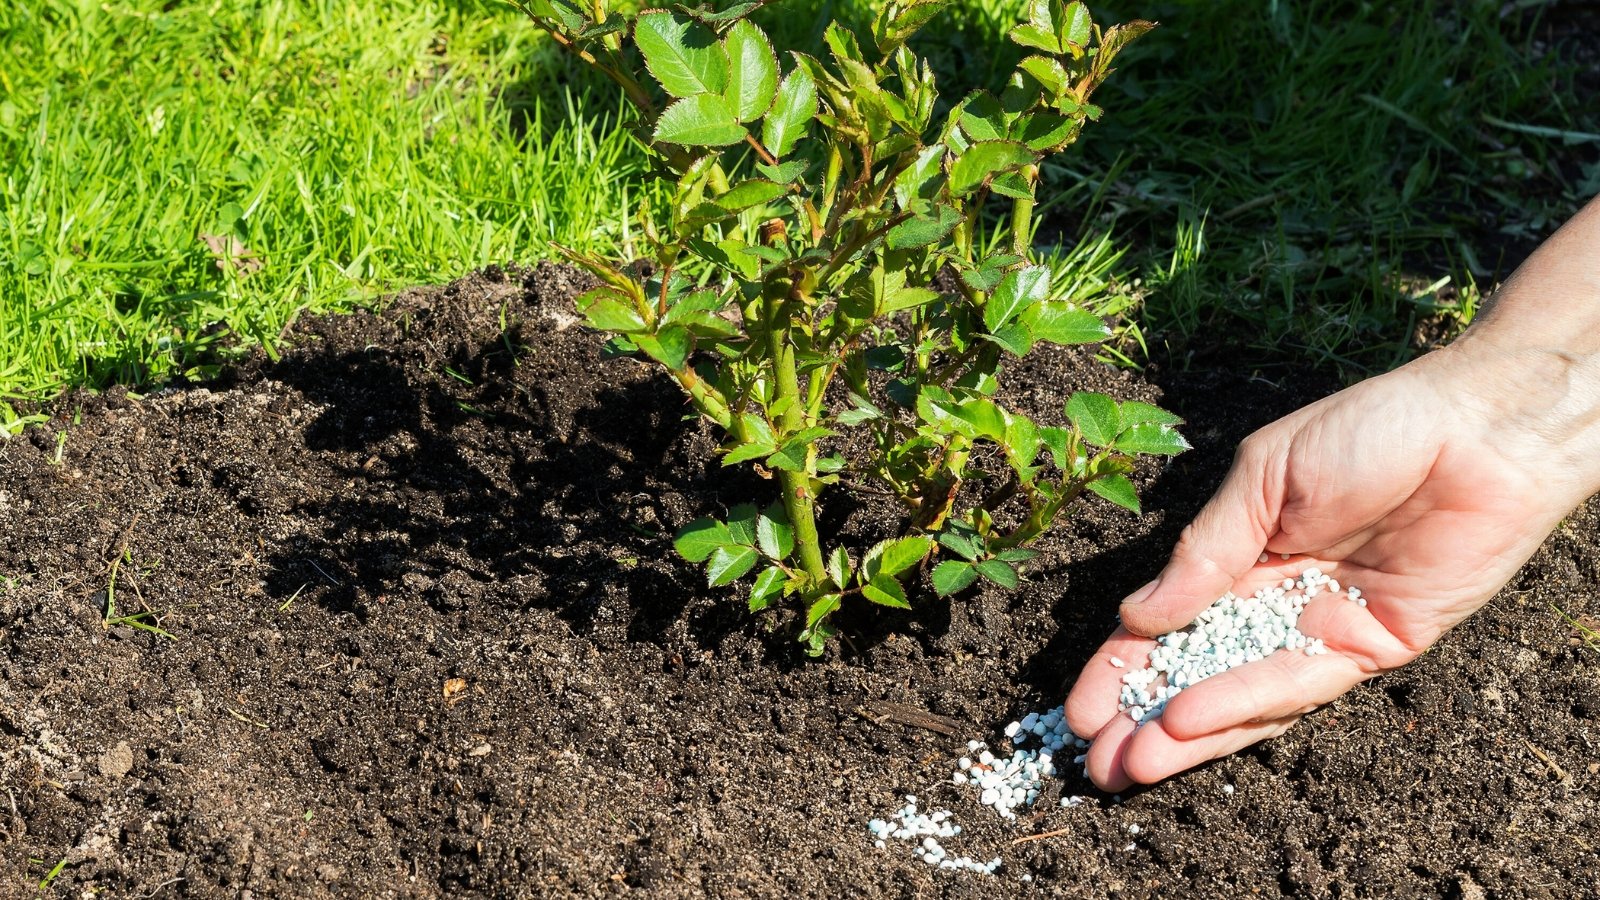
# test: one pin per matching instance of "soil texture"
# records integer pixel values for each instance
(429, 638)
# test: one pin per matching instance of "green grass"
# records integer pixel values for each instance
(352, 147)
(1302, 178)
(1298, 178)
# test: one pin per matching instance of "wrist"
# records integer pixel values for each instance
(1538, 404)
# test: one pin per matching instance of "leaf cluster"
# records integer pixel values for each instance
(816, 283)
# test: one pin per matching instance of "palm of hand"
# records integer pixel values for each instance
(1373, 486)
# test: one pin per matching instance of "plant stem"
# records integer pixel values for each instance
(1022, 215)
(797, 499)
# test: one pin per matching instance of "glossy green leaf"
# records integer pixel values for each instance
(885, 590)
(998, 571)
(1058, 323)
(896, 556)
(700, 538)
(746, 452)
(824, 606)
(714, 16)
(774, 534)
(1016, 292)
(728, 564)
(1118, 489)
(1016, 339)
(684, 56)
(1076, 28)
(983, 118)
(792, 110)
(1045, 132)
(704, 120)
(752, 70)
(1152, 438)
(1048, 72)
(670, 346)
(784, 173)
(1057, 441)
(983, 161)
(838, 566)
(768, 586)
(1134, 412)
(920, 179)
(742, 523)
(752, 192)
(952, 575)
(608, 309)
(1095, 416)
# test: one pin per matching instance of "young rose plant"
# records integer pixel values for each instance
(820, 270)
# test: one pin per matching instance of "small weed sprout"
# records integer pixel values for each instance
(821, 269)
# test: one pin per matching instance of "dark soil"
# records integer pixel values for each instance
(461, 488)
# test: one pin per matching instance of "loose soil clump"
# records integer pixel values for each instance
(431, 639)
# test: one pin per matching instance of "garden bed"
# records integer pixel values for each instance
(431, 639)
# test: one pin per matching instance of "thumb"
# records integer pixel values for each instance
(1215, 551)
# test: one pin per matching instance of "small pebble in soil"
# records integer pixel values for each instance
(1228, 789)
(1233, 631)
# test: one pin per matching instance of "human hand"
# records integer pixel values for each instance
(1427, 487)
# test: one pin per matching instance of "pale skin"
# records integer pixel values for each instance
(1427, 487)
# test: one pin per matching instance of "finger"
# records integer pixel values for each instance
(1287, 683)
(1105, 757)
(1151, 753)
(1093, 699)
(1217, 549)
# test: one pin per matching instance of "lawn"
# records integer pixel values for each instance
(181, 180)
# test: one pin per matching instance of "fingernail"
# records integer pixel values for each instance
(1142, 594)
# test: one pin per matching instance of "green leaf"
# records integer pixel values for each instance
(704, 120)
(791, 112)
(727, 564)
(753, 70)
(608, 309)
(700, 538)
(774, 534)
(951, 576)
(989, 272)
(1135, 413)
(1056, 440)
(1017, 291)
(920, 231)
(684, 56)
(982, 117)
(746, 452)
(1017, 555)
(565, 12)
(838, 566)
(998, 571)
(1016, 339)
(1061, 324)
(918, 180)
(825, 606)
(1021, 441)
(1076, 28)
(1118, 489)
(895, 557)
(983, 161)
(1162, 440)
(1095, 416)
(753, 192)
(742, 524)
(1045, 132)
(784, 173)
(1037, 38)
(670, 346)
(886, 591)
(1048, 72)
(962, 545)
(769, 584)
(712, 17)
